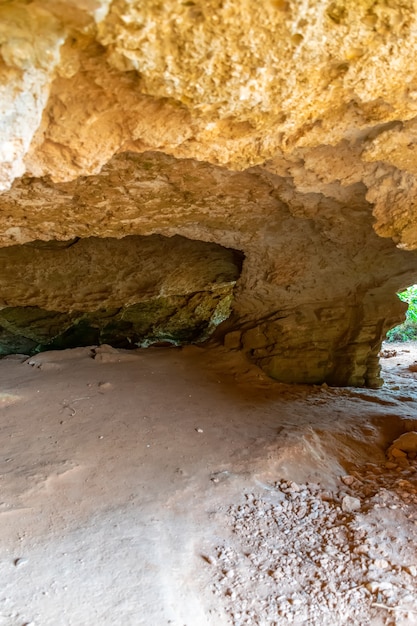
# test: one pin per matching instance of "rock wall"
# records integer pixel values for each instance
(283, 130)
(130, 292)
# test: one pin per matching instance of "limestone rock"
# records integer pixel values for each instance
(30, 41)
(403, 449)
(406, 442)
(350, 504)
(282, 130)
(396, 453)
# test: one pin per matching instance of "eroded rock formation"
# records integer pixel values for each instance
(284, 130)
(128, 292)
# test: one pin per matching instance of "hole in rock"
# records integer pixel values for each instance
(131, 292)
(407, 331)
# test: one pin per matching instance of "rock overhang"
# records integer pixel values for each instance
(284, 130)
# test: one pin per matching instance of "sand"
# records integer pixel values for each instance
(183, 487)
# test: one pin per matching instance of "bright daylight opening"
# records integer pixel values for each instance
(407, 331)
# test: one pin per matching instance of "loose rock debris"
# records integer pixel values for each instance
(301, 555)
(388, 354)
(403, 447)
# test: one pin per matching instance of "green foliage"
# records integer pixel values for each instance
(408, 330)
(404, 332)
(410, 296)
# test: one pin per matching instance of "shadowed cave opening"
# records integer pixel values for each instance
(131, 292)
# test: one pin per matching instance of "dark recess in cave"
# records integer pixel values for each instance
(162, 308)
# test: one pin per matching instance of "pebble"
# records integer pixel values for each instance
(397, 453)
(380, 563)
(312, 543)
(384, 586)
(372, 586)
(293, 487)
(350, 504)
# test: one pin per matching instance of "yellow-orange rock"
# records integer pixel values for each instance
(284, 129)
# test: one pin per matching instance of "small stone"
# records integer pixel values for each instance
(348, 480)
(210, 559)
(293, 486)
(412, 570)
(397, 453)
(105, 386)
(326, 496)
(199, 430)
(19, 562)
(390, 465)
(350, 504)
(380, 563)
(375, 586)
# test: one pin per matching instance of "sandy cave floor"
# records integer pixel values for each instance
(183, 487)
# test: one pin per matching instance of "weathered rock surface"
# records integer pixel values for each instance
(128, 292)
(284, 130)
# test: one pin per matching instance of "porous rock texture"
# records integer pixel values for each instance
(283, 129)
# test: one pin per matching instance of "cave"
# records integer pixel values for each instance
(316, 294)
(128, 293)
(207, 210)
